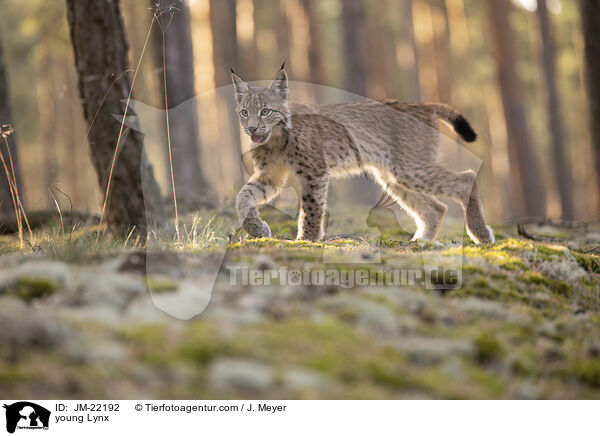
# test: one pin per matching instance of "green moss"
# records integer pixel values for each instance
(330, 346)
(272, 242)
(546, 252)
(31, 288)
(491, 383)
(378, 298)
(588, 371)
(481, 283)
(149, 342)
(498, 276)
(202, 343)
(497, 255)
(589, 262)
(559, 287)
(9, 244)
(479, 292)
(515, 245)
(17, 374)
(487, 349)
(161, 284)
(384, 375)
(472, 269)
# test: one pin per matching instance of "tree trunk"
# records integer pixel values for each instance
(377, 51)
(562, 166)
(70, 140)
(47, 109)
(408, 59)
(224, 32)
(528, 188)
(590, 16)
(354, 24)
(225, 56)
(6, 204)
(191, 187)
(315, 64)
(441, 43)
(100, 48)
(246, 39)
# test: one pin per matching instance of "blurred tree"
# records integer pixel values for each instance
(6, 204)
(562, 165)
(282, 32)
(224, 32)
(225, 56)
(72, 145)
(47, 108)
(315, 66)
(354, 24)
(441, 44)
(408, 53)
(379, 51)
(177, 57)
(590, 16)
(527, 184)
(247, 11)
(100, 48)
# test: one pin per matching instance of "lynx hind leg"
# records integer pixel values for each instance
(427, 211)
(477, 229)
(462, 186)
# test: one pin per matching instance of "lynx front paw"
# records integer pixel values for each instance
(257, 228)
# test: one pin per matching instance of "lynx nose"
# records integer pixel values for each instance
(252, 130)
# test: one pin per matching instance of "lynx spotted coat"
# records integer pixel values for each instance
(395, 142)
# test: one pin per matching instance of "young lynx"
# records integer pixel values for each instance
(395, 142)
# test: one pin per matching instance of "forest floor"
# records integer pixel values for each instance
(79, 318)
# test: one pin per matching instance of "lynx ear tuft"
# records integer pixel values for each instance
(282, 65)
(240, 86)
(280, 84)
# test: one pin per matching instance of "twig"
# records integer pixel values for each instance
(164, 60)
(5, 131)
(62, 224)
(553, 222)
(12, 194)
(54, 186)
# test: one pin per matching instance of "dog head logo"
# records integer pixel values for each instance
(26, 415)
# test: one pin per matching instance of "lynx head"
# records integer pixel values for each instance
(261, 109)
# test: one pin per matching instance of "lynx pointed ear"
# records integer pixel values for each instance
(239, 85)
(280, 84)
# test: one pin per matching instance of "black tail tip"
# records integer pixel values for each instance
(464, 129)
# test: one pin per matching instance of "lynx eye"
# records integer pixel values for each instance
(265, 112)
(244, 113)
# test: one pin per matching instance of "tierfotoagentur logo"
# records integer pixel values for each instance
(25, 415)
(430, 278)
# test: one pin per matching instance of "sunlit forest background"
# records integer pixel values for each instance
(453, 51)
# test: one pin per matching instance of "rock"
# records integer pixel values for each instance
(428, 350)
(563, 267)
(112, 289)
(240, 375)
(96, 352)
(376, 318)
(487, 309)
(233, 318)
(300, 379)
(22, 325)
(36, 279)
